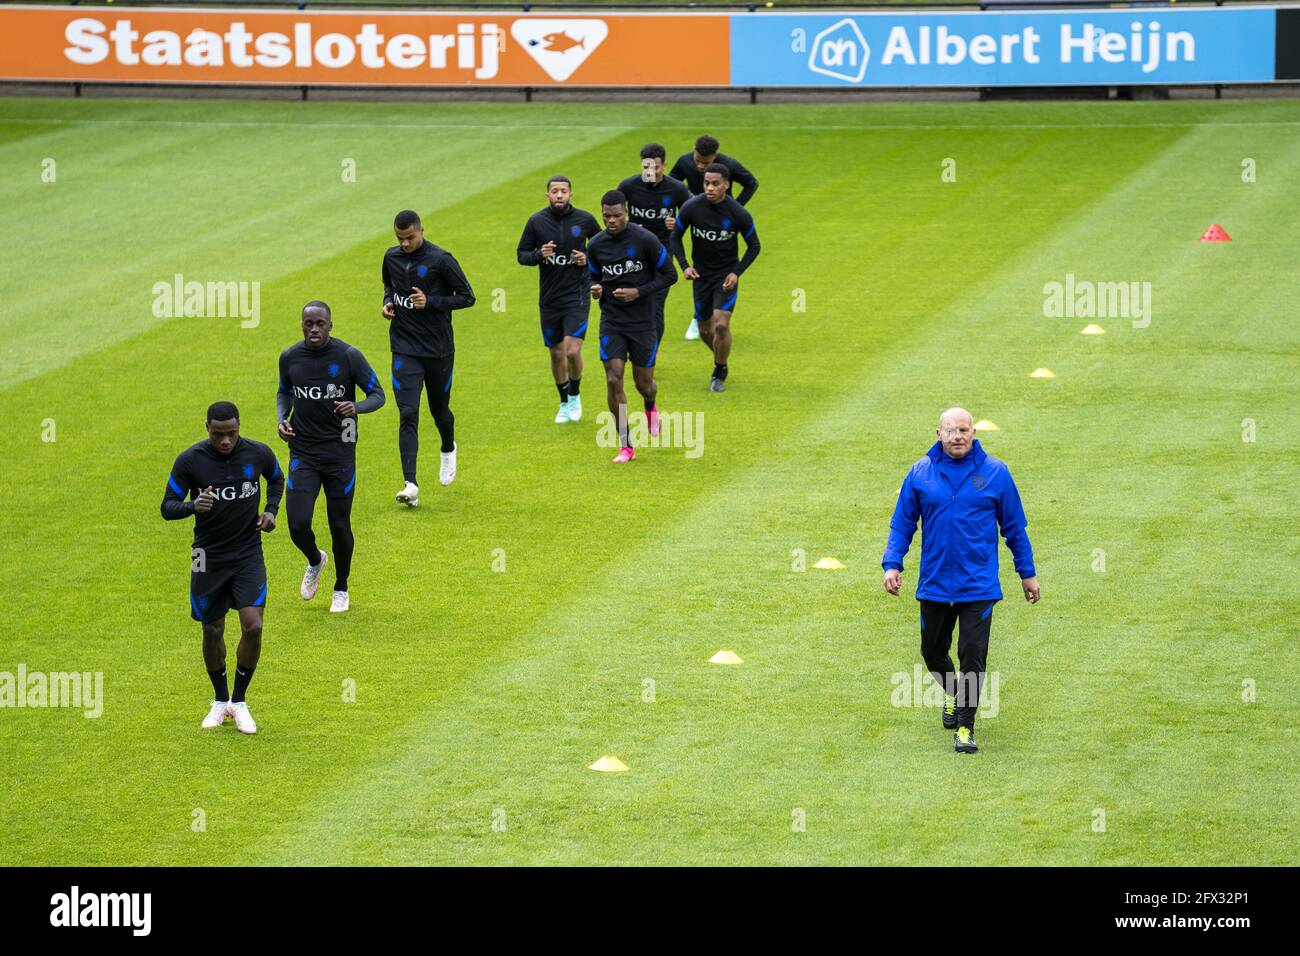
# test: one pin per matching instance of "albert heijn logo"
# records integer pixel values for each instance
(559, 46)
(840, 51)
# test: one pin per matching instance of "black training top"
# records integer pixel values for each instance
(424, 332)
(685, 170)
(561, 281)
(713, 228)
(311, 381)
(228, 532)
(649, 204)
(632, 258)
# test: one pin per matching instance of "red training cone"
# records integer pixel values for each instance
(1215, 234)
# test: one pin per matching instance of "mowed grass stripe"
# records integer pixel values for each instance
(216, 204)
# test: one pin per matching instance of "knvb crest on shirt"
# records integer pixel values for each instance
(559, 47)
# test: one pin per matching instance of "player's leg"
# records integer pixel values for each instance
(937, 621)
(249, 597)
(973, 653)
(702, 300)
(644, 351)
(553, 339)
(614, 394)
(338, 507)
(693, 331)
(560, 372)
(214, 662)
(408, 379)
(661, 303)
(209, 602)
(720, 327)
(304, 484)
(721, 303)
(437, 381)
(575, 331)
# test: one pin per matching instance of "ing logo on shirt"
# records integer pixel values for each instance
(622, 268)
(315, 391)
(714, 235)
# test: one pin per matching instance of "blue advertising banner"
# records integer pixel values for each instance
(1075, 48)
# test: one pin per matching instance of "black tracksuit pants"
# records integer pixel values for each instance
(937, 621)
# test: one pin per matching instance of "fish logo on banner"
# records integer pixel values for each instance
(559, 46)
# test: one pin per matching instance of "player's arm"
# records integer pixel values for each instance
(677, 238)
(529, 252)
(284, 401)
(274, 491)
(387, 310)
(902, 528)
(752, 245)
(367, 380)
(748, 184)
(665, 274)
(1013, 524)
(179, 482)
(462, 296)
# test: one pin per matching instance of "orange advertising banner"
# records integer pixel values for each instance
(142, 44)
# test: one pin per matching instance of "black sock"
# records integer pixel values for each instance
(573, 387)
(720, 372)
(563, 389)
(220, 690)
(242, 676)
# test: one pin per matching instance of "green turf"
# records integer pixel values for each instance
(483, 693)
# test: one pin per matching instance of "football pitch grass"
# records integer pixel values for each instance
(549, 607)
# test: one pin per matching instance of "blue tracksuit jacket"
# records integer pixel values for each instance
(961, 502)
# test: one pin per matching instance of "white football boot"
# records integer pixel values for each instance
(243, 719)
(693, 330)
(311, 578)
(575, 408)
(340, 602)
(217, 715)
(447, 468)
(410, 495)
(562, 415)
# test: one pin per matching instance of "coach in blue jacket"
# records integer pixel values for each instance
(962, 495)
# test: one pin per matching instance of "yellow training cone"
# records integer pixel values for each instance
(1042, 373)
(984, 425)
(830, 564)
(726, 657)
(608, 765)
(1092, 330)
